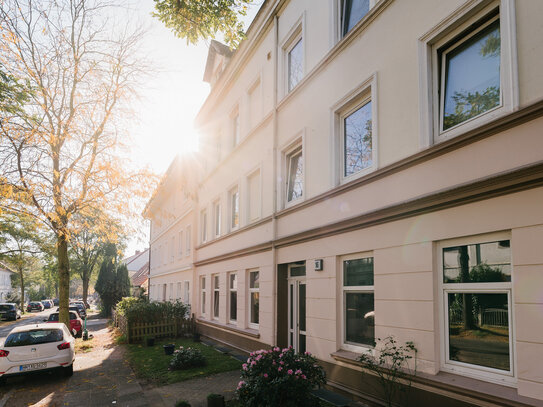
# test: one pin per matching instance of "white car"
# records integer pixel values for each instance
(38, 347)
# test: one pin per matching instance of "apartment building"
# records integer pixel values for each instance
(171, 212)
(375, 168)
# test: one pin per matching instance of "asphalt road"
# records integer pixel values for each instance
(27, 319)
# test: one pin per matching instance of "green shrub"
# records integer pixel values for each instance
(184, 358)
(279, 377)
(182, 403)
(139, 310)
(392, 368)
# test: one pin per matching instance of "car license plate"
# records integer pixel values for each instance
(32, 366)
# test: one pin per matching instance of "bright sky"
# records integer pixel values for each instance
(170, 99)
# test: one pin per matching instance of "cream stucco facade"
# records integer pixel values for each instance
(280, 213)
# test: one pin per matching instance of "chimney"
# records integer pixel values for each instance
(138, 252)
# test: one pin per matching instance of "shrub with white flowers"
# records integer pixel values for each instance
(185, 358)
(279, 377)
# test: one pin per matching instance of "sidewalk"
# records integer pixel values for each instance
(102, 377)
(194, 391)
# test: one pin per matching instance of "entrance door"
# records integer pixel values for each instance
(296, 307)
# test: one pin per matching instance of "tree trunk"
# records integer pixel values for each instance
(85, 279)
(22, 291)
(63, 279)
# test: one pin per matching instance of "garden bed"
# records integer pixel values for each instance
(151, 364)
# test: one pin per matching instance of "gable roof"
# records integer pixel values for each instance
(141, 276)
(3, 267)
(134, 257)
(215, 48)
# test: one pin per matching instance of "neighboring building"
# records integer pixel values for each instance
(5, 281)
(373, 168)
(139, 282)
(135, 262)
(171, 212)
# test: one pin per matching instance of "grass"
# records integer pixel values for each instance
(151, 364)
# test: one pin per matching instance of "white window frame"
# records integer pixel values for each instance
(215, 280)
(231, 208)
(364, 93)
(478, 372)
(217, 218)
(432, 43)
(251, 290)
(203, 225)
(203, 295)
(341, 17)
(290, 39)
(179, 292)
(186, 291)
(171, 296)
(189, 240)
(172, 249)
(230, 291)
(180, 246)
(235, 126)
(254, 116)
(251, 174)
(288, 153)
(366, 289)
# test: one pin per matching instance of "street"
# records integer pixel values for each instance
(26, 319)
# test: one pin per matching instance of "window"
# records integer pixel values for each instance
(171, 292)
(172, 249)
(203, 295)
(295, 62)
(189, 237)
(233, 297)
(253, 195)
(255, 103)
(470, 75)
(164, 288)
(352, 12)
(180, 249)
(203, 225)
(358, 302)
(295, 174)
(254, 297)
(217, 218)
(357, 139)
(470, 67)
(179, 292)
(236, 130)
(234, 208)
(186, 295)
(216, 296)
(476, 284)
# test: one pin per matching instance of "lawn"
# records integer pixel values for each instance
(151, 364)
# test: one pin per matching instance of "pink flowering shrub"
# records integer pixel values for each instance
(279, 377)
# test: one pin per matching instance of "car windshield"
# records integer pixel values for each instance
(5, 307)
(34, 337)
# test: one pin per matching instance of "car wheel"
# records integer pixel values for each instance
(69, 371)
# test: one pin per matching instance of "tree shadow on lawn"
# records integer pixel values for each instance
(151, 364)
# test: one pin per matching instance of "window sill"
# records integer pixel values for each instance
(453, 383)
(227, 327)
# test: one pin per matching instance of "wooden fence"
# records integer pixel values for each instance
(167, 328)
